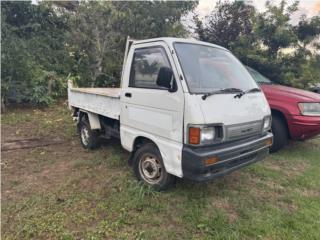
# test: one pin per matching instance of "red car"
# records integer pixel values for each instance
(295, 112)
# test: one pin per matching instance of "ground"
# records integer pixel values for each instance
(62, 191)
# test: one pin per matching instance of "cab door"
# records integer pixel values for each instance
(148, 108)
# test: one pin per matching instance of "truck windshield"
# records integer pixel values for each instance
(208, 69)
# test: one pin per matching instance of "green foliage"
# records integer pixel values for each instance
(44, 44)
(45, 87)
(261, 40)
(229, 23)
(274, 29)
(307, 29)
(32, 45)
(99, 31)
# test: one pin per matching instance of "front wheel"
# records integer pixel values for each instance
(149, 168)
(280, 133)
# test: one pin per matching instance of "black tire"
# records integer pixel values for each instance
(148, 156)
(280, 133)
(90, 141)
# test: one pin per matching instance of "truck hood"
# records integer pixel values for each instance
(274, 91)
(224, 108)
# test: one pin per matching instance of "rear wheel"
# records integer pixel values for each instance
(88, 137)
(148, 167)
(280, 133)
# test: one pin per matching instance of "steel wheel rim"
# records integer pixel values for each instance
(150, 169)
(85, 135)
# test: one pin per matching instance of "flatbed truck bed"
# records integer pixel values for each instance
(102, 101)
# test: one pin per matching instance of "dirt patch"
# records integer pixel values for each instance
(287, 168)
(37, 157)
(289, 206)
(28, 171)
(310, 193)
(51, 162)
(12, 144)
(270, 191)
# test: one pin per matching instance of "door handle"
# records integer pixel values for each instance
(128, 94)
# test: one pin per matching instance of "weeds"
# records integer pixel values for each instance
(71, 193)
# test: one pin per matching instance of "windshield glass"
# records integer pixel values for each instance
(258, 77)
(207, 69)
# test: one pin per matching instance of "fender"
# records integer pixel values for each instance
(93, 119)
(171, 151)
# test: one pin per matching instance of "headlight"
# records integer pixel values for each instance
(266, 124)
(207, 135)
(201, 135)
(309, 109)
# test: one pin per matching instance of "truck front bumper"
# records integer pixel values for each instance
(231, 156)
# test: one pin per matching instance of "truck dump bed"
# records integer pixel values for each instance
(108, 92)
(102, 101)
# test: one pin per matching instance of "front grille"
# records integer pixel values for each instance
(238, 131)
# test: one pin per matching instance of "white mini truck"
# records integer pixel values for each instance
(185, 108)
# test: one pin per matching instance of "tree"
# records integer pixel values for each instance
(307, 30)
(92, 37)
(273, 27)
(44, 44)
(33, 53)
(232, 25)
(227, 24)
(99, 32)
(259, 40)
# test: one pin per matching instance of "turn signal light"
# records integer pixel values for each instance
(194, 135)
(211, 161)
(269, 142)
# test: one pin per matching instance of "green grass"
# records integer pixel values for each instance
(46, 120)
(99, 198)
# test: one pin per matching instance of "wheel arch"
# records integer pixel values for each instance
(137, 143)
(93, 119)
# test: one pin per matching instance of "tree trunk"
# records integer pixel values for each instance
(50, 81)
(3, 106)
(96, 70)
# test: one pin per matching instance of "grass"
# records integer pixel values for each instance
(69, 193)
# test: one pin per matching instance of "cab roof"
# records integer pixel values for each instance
(171, 40)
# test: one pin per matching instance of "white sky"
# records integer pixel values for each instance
(307, 7)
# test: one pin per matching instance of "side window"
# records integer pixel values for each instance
(145, 68)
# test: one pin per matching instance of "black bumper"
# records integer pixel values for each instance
(232, 156)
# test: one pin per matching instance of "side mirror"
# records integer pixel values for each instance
(165, 80)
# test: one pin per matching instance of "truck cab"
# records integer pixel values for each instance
(187, 109)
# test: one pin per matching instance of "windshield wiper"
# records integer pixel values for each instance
(266, 83)
(224, 90)
(252, 90)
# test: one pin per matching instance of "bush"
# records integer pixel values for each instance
(44, 88)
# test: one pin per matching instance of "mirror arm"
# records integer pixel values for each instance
(173, 88)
